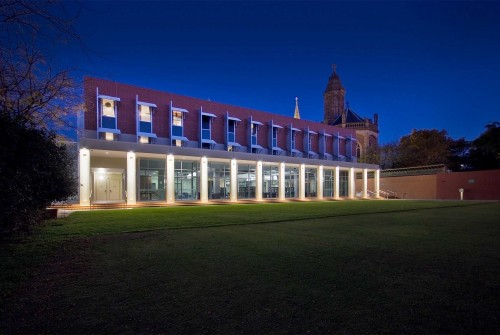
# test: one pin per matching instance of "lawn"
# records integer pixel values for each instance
(318, 267)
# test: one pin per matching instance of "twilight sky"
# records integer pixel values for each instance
(418, 65)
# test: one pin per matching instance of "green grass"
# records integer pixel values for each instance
(319, 267)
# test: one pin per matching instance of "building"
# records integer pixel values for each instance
(338, 113)
(142, 145)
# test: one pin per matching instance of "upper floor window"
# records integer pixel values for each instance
(206, 120)
(274, 130)
(253, 140)
(255, 129)
(230, 138)
(145, 119)
(291, 141)
(177, 116)
(275, 137)
(107, 117)
(231, 130)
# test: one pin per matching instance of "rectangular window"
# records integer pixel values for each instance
(177, 124)
(246, 181)
(275, 137)
(108, 113)
(186, 180)
(291, 182)
(343, 183)
(151, 180)
(219, 180)
(328, 183)
(231, 131)
(311, 183)
(108, 107)
(205, 127)
(254, 129)
(270, 181)
(145, 119)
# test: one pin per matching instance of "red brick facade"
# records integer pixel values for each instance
(161, 127)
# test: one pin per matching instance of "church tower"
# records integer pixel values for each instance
(338, 113)
(333, 98)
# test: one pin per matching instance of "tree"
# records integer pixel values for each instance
(371, 155)
(485, 150)
(423, 147)
(35, 99)
(388, 155)
(34, 171)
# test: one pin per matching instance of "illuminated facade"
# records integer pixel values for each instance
(142, 145)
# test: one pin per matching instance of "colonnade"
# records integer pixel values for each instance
(131, 179)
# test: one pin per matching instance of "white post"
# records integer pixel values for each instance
(352, 183)
(302, 182)
(258, 181)
(131, 178)
(170, 179)
(365, 183)
(281, 183)
(84, 177)
(377, 183)
(336, 183)
(204, 180)
(234, 181)
(319, 187)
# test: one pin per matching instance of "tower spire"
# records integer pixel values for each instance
(296, 115)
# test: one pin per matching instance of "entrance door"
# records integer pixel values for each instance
(108, 186)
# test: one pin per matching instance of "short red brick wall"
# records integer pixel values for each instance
(477, 185)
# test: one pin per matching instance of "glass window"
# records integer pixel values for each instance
(275, 137)
(246, 181)
(186, 180)
(145, 119)
(328, 183)
(254, 129)
(293, 139)
(310, 182)
(205, 127)
(108, 114)
(219, 181)
(151, 180)
(291, 182)
(270, 181)
(231, 131)
(177, 124)
(108, 107)
(343, 183)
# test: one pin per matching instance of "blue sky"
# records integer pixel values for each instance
(419, 65)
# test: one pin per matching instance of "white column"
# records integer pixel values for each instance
(258, 181)
(234, 181)
(281, 182)
(352, 183)
(365, 183)
(302, 182)
(170, 179)
(319, 188)
(131, 178)
(204, 179)
(377, 183)
(84, 177)
(336, 183)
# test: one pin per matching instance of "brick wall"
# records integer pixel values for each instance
(477, 185)
(161, 126)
